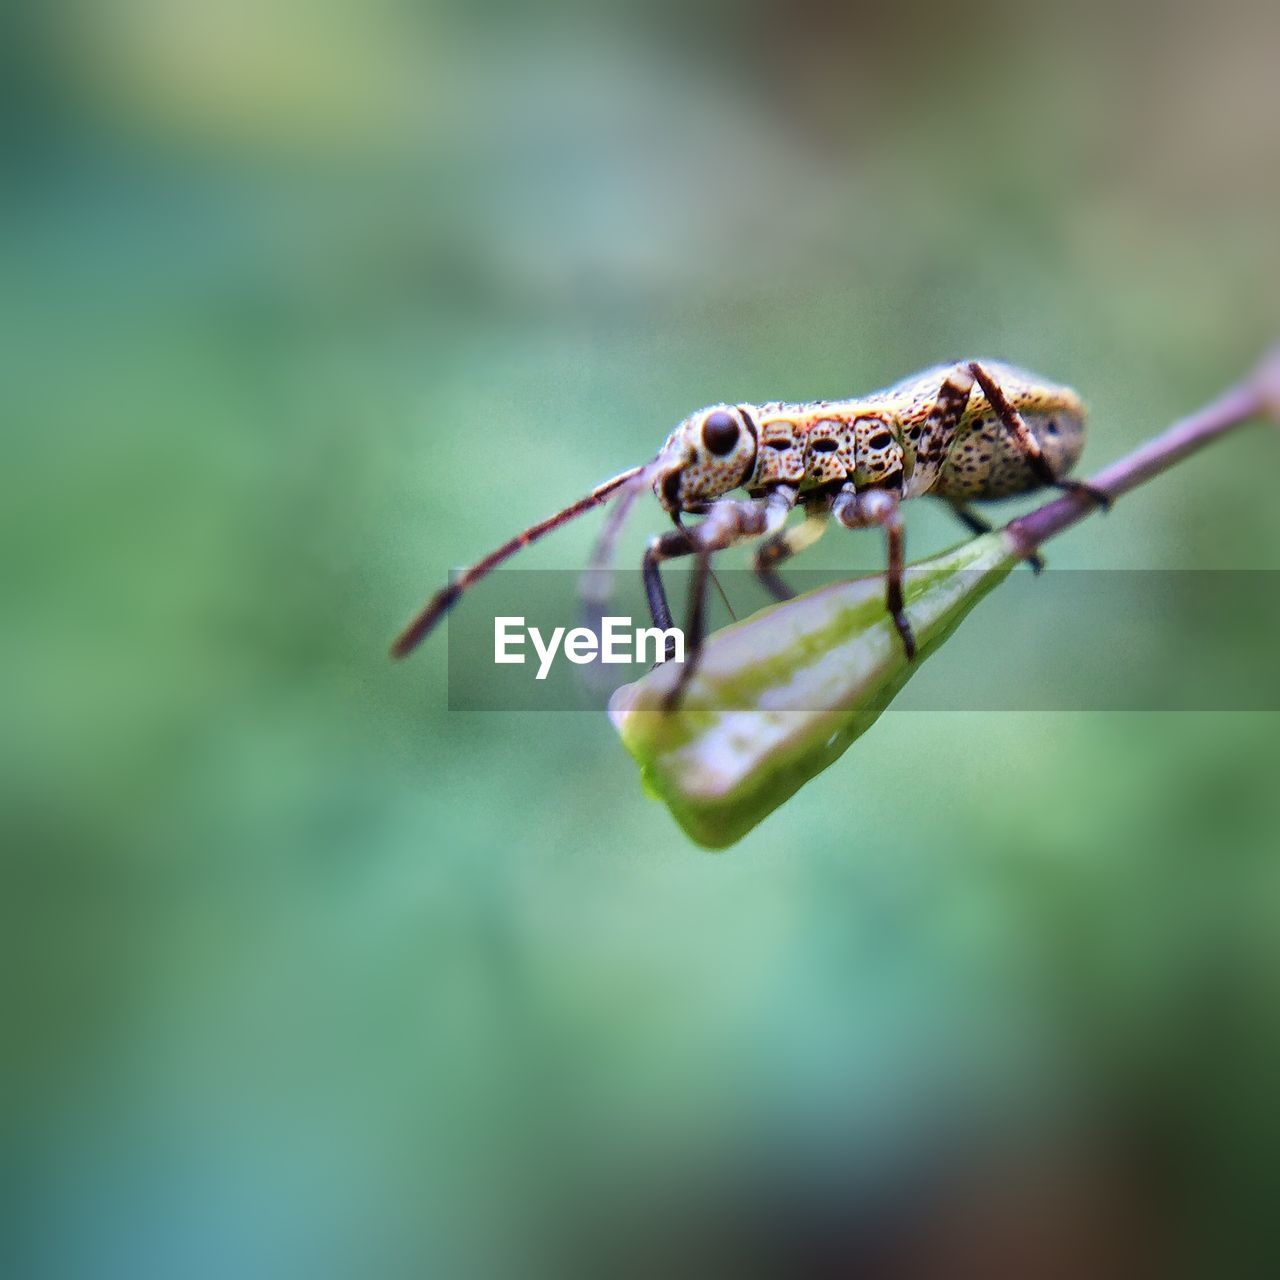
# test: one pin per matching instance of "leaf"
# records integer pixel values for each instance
(782, 694)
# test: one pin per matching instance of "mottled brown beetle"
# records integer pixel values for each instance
(970, 431)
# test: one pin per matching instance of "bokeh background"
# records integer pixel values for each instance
(305, 303)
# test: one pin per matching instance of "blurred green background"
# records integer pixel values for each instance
(304, 975)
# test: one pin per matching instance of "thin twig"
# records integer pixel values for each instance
(1257, 396)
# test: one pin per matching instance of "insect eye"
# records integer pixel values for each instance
(720, 432)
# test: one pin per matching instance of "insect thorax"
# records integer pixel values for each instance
(812, 445)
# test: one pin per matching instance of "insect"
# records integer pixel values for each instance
(970, 431)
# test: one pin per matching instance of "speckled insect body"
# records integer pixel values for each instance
(927, 435)
(970, 431)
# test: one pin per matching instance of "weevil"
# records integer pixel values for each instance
(969, 431)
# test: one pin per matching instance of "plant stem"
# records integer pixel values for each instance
(1254, 397)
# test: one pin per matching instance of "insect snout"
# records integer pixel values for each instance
(712, 452)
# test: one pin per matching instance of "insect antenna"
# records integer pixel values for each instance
(715, 582)
(447, 597)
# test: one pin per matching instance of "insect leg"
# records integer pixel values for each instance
(681, 541)
(666, 546)
(727, 522)
(787, 543)
(695, 629)
(980, 525)
(970, 518)
(880, 507)
(943, 418)
(1026, 442)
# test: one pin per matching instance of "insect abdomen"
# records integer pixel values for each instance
(983, 461)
